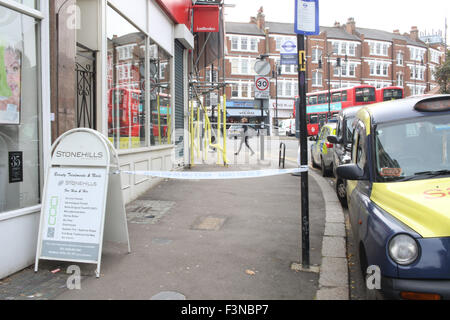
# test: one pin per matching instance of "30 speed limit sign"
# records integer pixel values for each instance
(262, 87)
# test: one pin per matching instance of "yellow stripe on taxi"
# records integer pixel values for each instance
(422, 205)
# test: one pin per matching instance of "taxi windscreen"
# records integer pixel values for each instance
(415, 149)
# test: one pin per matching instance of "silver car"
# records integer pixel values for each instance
(322, 150)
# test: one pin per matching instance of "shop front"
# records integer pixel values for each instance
(281, 110)
(24, 127)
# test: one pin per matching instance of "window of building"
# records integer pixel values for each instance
(316, 55)
(253, 44)
(20, 139)
(126, 97)
(336, 47)
(400, 58)
(400, 80)
(244, 43)
(235, 90)
(234, 43)
(351, 49)
(317, 79)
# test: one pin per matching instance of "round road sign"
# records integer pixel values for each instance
(262, 67)
(262, 84)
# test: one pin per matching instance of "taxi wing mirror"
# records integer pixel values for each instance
(350, 172)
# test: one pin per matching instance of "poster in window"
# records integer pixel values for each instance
(10, 85)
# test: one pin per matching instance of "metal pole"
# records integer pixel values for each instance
(303, 149)
(276, 99)
(261, 137)
(329, 88)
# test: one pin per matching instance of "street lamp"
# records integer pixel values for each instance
(275, 74)
(328, 55)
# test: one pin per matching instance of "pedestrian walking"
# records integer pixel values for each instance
(245, 136)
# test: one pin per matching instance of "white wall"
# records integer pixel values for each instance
(161, 27)
(134, 10)
(18, 237)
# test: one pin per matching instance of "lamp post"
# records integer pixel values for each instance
(328, 55)
(275, 74)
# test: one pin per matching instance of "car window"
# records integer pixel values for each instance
(361, 147)
(405, 149)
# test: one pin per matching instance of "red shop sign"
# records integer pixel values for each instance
(206, 18)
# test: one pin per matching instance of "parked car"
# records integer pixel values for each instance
(290, 127)
(342, 148)
(398, 193)
(321, 150)
(282, 128)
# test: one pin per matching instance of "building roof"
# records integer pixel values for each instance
(280, 28)
(243, 28)
(387, 36)
(339, 33)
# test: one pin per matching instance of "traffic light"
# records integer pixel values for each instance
(338, 62)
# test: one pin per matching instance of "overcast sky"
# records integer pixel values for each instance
(380, 14)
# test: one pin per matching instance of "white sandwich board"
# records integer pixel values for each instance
(82, 203)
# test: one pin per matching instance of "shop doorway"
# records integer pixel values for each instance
(85, 68)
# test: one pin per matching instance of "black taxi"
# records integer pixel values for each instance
(398, 194)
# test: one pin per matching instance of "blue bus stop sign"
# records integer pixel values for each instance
(307, 17)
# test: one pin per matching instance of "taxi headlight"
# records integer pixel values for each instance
(403, 249)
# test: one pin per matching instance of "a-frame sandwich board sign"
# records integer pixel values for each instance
(82, 201)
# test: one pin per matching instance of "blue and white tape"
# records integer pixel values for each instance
(219, 175)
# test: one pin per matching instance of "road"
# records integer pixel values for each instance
(358, 289)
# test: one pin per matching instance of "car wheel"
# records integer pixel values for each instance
(341, 192)
(323, 168)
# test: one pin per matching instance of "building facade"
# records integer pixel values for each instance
(340, 56)
(117, 68)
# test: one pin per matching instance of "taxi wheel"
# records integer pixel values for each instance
(341, 192)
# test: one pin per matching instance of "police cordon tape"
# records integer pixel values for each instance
(219, 175)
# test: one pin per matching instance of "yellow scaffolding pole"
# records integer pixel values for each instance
(191, 129)
(224, 153)
(159, 119)
(218, 130)
(169, 126)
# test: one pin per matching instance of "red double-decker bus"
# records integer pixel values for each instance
(318, 106)
(389, 93)
(123, 112)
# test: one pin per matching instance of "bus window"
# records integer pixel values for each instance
(344, 96)
(322, 98)
(365, 94)
(336, 97)
(392, 94)
(314, 119)
(313, 100)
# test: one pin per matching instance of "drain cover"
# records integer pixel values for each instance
(147, 211)
(208, 223)
(168, 295)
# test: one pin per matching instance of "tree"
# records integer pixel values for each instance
(442, 75)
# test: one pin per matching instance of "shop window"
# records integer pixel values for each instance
(126, 83)
(160, 98)
(19, 111)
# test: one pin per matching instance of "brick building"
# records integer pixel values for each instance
(367, 56)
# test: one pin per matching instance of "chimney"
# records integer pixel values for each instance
(396, 31)
(337, 24)
(253, 20)
(261, 19)
(414, 33)
(350, 27)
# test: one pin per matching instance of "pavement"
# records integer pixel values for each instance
(212, 240)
